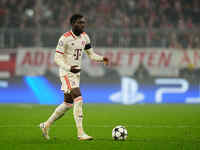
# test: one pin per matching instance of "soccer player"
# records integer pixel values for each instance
(68, 57)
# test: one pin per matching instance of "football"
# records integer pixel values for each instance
(119, 133)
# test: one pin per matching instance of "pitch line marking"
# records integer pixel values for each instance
(106, 126)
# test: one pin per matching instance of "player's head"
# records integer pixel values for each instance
(78, 23)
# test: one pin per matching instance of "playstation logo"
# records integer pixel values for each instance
(129, 92)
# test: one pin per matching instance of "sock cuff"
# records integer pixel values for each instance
(78, 99)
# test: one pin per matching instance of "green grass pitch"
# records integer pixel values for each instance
(150, 127)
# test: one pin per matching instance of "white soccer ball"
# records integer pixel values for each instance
(119, 133)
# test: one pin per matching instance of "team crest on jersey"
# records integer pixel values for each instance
(72, 44)
(61, 43)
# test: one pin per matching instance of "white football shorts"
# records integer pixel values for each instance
(70, 81)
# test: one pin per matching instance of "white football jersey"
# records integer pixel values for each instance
(70, 49)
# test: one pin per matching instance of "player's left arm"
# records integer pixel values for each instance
(92, 55)
(95, 57)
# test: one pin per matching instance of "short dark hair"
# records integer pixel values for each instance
(75, 17)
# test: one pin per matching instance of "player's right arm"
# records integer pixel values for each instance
(59, 55)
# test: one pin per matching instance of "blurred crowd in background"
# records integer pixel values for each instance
(111, 23)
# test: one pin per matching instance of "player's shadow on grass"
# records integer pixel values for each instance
(111, 140)
(61, 140)
(151, 140)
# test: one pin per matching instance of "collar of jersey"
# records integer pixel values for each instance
(74, 36)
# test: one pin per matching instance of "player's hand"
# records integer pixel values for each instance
(75, 69)
(106, 61)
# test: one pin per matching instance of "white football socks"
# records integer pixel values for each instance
(58, 113)
(78, 115)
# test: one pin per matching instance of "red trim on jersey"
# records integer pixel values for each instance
(59, 52)
(78, 99)
(67, 34)
(73, 35)
(67, 82)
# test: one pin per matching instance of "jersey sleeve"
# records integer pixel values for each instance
(88, 44)
(61, 45)
(89, 51)
(93, 56)
(87, 39)
(59, 57)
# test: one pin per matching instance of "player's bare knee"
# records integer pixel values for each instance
(75, 93)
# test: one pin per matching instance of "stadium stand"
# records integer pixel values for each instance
(127, 23)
